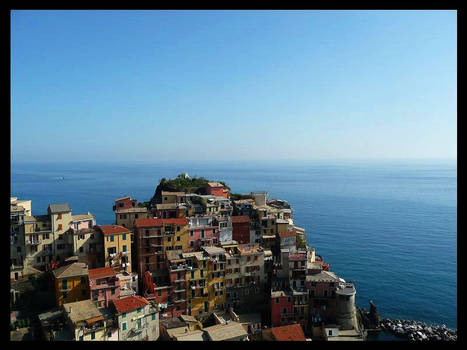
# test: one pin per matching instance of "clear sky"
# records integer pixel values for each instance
(240, 85)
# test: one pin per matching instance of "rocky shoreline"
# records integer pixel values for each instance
(418, 331)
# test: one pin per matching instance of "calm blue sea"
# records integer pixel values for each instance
(389, 226)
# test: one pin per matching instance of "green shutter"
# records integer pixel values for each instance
(124, 326)
(124, 236)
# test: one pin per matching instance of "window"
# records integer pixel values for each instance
(65, 295)
(64, 284)
(124, 248)
(178, 228)
(60, 226)
(124, 237)
(192, 243)
(191, 233)
(159, 293)
(153, 317)
(59, 217)
(139, 310)
(83, 279)
(45, 236)
(178, 238)
(81, 249)
(169, 239)
(330, 332)
(111, 238)
(112, 291)
(124, 326)
(136, 216)
(124, 315)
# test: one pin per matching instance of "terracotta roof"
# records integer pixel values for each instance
(130, 303)
(292, 332)
(153, 222)
(101, 272)
(113, 229)
(287, 234)
(239, 219)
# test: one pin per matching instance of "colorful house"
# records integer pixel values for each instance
(137, 319)
(217, 189)
(71, 283)
(117, 246)
(241, 229)
(104, 286)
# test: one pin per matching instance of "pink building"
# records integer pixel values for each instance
(82, 221)
(125, 203)
(203, 231)
(104, 286)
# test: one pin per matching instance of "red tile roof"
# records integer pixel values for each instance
(101, 272)
(287, 234)
(292, 332)
(239, 219)
(130, 303)
(113, 229)
(153, 222)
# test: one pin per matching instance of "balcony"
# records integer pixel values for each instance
(33, 241)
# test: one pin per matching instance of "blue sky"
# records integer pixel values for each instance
(240, 85)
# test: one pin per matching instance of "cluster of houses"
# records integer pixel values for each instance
(188, 267)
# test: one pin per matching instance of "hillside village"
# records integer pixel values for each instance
(195, 262)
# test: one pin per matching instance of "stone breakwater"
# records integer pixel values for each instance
(418, 331)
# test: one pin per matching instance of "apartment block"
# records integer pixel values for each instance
(137, 319)
(104, 286)
(117, 246)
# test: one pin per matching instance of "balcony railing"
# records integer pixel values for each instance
(34, 242)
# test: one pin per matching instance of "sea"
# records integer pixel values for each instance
(390, 226)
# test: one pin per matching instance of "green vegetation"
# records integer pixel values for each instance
(184, 183)
(237, 196)
(301, 243)
(145, 204)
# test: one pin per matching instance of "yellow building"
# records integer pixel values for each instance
(117, 247)
(71, 283)
(197, 295)
(205, 280)
(216, 276)
(175, 233)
